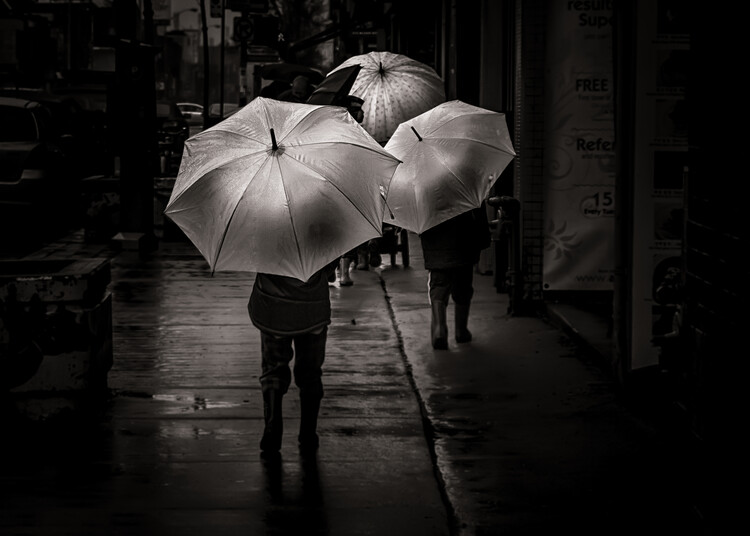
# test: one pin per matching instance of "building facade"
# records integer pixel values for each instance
(622, 208)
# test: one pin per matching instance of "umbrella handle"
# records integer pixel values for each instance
(274, 145)
(413, 129)
(382, 194)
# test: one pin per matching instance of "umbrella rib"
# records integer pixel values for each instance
(457, 117)
(208, 173)
(229, 222)
(442, 161)
(336, 187)
(392, 104)
(226, 230)
(291, 217)
(221, 128)
(353, 144)
(480, 142)
(315, 111)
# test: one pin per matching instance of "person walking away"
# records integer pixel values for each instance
(293, 317)
(451, 250)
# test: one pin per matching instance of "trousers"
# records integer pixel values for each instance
(276, 354)
(456, 283)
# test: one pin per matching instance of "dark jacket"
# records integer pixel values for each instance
(287, 306)
(456, 242)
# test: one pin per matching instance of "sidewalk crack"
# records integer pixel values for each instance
(454, 523)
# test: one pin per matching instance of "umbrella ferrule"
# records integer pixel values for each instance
(274, 145)
(413, 129)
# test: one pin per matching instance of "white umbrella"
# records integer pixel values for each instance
(395, 88)
(281, 188)
(452, 155)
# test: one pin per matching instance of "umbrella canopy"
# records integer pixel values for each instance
(335, 87)
(395, 88)
(281, 188)
(452, 155)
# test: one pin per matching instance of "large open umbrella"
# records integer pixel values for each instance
(452, 155)
(395, 88)
(281, 188)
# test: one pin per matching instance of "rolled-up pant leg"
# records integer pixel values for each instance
(439, 285)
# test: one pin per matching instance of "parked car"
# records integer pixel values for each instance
(193, 113)
(229, 109)
(82, 133)
(172, 130)
(39, 186)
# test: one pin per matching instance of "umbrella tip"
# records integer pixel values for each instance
(416, 133)
(381, 71)
(274, 145)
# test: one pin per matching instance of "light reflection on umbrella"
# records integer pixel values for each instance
(452, 155)
(281, 188)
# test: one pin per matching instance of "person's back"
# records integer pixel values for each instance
(287, 306)
(457, 241)
(450, 251)
(293, 317)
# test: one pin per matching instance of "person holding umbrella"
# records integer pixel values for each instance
(283, 190)
(451, 157)
(450, 250)
(290, 312)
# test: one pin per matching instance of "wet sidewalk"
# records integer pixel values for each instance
(518, 432)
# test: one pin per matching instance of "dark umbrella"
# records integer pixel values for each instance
(335, 87)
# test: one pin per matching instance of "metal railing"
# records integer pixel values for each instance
(506, 238)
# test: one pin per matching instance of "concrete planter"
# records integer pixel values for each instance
(55, 333)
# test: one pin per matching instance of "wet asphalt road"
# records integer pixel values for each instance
(516, 433)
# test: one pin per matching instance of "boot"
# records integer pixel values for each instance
(375, 259)
(439, 326)
(308, 424)
(462, 321)
(373, 249)
(274, 429)
(362, 262)
(345, 279)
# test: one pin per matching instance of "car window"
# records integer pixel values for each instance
(17, 125)
(229, 109)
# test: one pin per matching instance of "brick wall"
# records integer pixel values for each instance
(529, 142)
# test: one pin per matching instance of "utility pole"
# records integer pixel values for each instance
(206, 70)
(221, 67)
(134, 117)
(244, 31)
